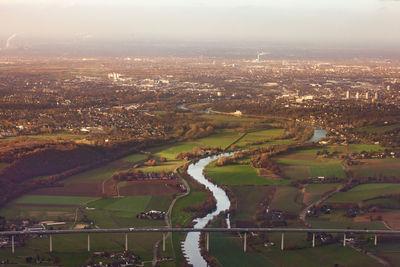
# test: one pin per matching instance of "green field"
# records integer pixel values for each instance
(389, 203)
(365, 147)
(319, 256)
(98, 175)
(229, 119)
(364, 192)
(3, 165)
(52, 200)
(108, 213)
(228, 250)
(316, 191)
(55, 212)
(72, 249)
(379, 129)
(48, 136)
(303, 166)
(313, 151)
(239, 175)
(248, 199)
(259, 135)
(125, 204)
(376, 225)
(377, 168)
(135, 158)
(285, 199)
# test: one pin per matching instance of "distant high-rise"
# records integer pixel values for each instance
(376, 95)
(357, 95)
(366, 95)
(347, 95)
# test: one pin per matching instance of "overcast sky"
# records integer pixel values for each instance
(374, 22)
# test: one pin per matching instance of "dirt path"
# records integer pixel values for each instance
(77, 210)
(372, 256)
(303, 213)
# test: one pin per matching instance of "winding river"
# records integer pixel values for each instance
(191, 244)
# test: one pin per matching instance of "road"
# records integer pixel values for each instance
(168, 221)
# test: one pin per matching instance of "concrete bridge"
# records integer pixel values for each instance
(245, 231)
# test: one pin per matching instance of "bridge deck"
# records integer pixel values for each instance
(207, 230)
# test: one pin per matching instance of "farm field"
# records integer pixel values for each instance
(303, 165)
(387, 202)
(259, 135)
(313, 192)
(141, 188)
(338, 219)
(239, 175)
(364, 192)
(48, 137)
(378, 128)
(61, 213)
(248, 200)
(313, 151)
(124, 204)
(286, 198)
(106, 213)
(228, 250)
(98, 175)
(377, 168)
(376, 225)
(71, 189)
(71, 250)
(388, 250)
(52, 200)
(3, 165)
(229, 119)
(328, 255)
(135, 158)
(365, 147)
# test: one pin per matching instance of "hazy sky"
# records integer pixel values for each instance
(373, 22)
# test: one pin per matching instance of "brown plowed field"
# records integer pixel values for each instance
(148, 188)
(110, 188)
(391, 218)
(74, 189)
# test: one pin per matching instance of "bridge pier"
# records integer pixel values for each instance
(344, 239)
(12, 245)
(208, 241)
(88, 243)
(375, 240)
(126, 242)
(51, 243)
(245, 242)
(313, 240)
(283, 241)
(163, 242)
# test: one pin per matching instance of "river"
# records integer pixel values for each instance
(191, 244)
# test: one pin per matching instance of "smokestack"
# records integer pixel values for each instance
(8, 42)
